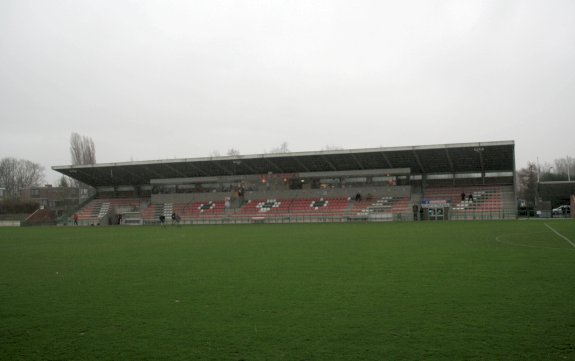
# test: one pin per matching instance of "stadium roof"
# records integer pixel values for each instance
(553, 190)
(428, 159)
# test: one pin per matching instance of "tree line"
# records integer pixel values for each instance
(18, 174)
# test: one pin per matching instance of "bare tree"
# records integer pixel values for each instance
(82, 150)
(283, 148)
(233, 151)
(527, 182)
(16, 174)
(214, 153)
(565, 168)
(64, 182)
(8, 175)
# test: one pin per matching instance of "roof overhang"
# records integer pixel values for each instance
(426, 159)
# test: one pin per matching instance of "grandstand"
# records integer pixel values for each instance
(375, 184)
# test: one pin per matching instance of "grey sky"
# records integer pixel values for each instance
(177, 79)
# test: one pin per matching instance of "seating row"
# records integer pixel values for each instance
(97, 209)
(468, 199)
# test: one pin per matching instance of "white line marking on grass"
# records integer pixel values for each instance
(500, 239)
(560, 235)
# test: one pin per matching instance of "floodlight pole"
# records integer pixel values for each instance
(538, 169)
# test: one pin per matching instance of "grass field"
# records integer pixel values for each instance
(390, 291)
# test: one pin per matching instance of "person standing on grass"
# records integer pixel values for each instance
(75, 219)
(162, 220)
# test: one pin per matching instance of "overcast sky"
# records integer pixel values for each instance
(182, 79)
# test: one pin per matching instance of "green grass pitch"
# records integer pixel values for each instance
(387, 291)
